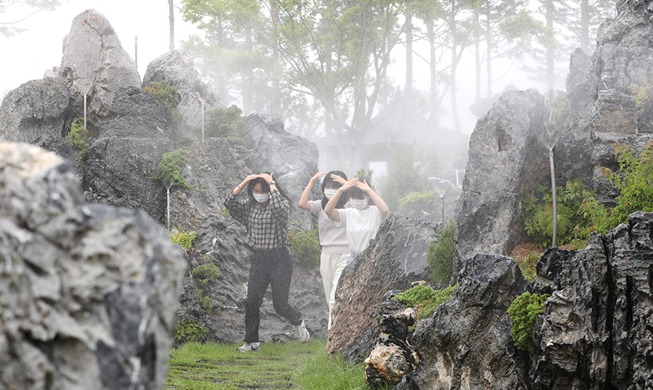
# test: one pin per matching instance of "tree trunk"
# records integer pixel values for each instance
(275, 100)
(168, 207)
(247, 82)
(433, 93)
(550, 49)
(490, 47)
(477, 49)
(454, 66)
(408, 87)
(585, 26)
(171, 11)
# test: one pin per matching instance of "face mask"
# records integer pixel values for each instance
(358, 203)
(261, 198)
(329, 192)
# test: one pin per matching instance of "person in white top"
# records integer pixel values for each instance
(362, 220)
(333, 239)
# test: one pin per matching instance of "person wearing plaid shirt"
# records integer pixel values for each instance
(264, 212)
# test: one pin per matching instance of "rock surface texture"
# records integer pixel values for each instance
(89, 292)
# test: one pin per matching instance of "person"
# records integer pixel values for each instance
(361, 220)
(333, 239)
(264, 212)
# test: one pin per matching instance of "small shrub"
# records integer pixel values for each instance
(425, 299)
(226, 122)
(205, 273)
(305, 246)
(440, 255)
(170, 167)
(77, 138)
(528, 266)
(168, 96)
(188, 331)
(522, 313)
(183, 239)
(206, 303)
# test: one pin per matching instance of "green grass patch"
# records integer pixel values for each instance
(276, 366)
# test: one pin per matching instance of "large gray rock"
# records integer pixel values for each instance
(95, 64)
(595, 331)
(506, 160)
(395, 259)
(466, 344)
(178, 69)
(89, 291)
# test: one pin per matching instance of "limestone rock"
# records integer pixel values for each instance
(95, 64)
(89, 291)
(506, 160)
(394, 259)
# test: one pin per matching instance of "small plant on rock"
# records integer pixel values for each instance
(305, 246)
(188, 331)
(183, 239)
(205, 273)
(425, 299)
(77, 138)
(169, 173)
(440, 255)
(522, 313)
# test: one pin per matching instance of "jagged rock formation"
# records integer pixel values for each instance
(394, 259)
(89, 292)
(506, 161)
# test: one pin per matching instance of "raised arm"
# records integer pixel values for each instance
(378, 201)
(303, 200)
(330, 208)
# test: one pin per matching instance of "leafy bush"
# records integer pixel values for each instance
(440, 255)
(305, 246)
(206, 303)
(527, 267)
(522, 313)
(77, 138)
(226, 122)
(573, 221)
(205, 273)
(634, 181)
(167, 95)
(183, 239)
(403, 178)
(169, 169)
(188, 331)
(425, 299)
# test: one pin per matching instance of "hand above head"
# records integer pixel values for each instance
(337, 179)
(363, 186)
(318, 175)
(266, 176)
(349, 184)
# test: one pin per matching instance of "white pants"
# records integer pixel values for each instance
(331, 267)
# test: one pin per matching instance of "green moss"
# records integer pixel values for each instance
(183, 239)
(305, 246)
(425, 299)
(440, 255)
(188, 331)
(522, 313)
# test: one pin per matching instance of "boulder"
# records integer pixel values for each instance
(507, 161)
(89, 291)
(393, 260)
(95, 64)
(466, 344)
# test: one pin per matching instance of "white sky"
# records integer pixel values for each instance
(28, 55)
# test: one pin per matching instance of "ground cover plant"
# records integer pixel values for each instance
(290, 365)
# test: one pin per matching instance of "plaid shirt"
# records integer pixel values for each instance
(267, 224)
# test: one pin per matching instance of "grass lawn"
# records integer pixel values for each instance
(291, 365)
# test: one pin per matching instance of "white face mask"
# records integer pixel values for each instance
(358, 203)
(329, 192)
(261, 198)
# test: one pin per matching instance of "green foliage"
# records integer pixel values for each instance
(169, 169)
(168, 96)
(188, 331)
(528, 266)
(425, 199)
(225, 122)
(425, 299)
(206, 303)
(634, 181)
(183, 239)
(573, 220)
(522, 313)
(365, 174)
(440, 255)
(205, 273)
(305, 246)
(77, 138)
(403, 178)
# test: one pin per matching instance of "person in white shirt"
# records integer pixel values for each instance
(333, 239)
(362, 219)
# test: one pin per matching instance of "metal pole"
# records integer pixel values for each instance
(202, 120)
(442, 207)
(84, 111)
(555, 202)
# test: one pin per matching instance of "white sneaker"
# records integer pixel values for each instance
(249, 347)
(302, 332)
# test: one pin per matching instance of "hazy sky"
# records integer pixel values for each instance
(28, 55)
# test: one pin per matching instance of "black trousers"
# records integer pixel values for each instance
(268, 267)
